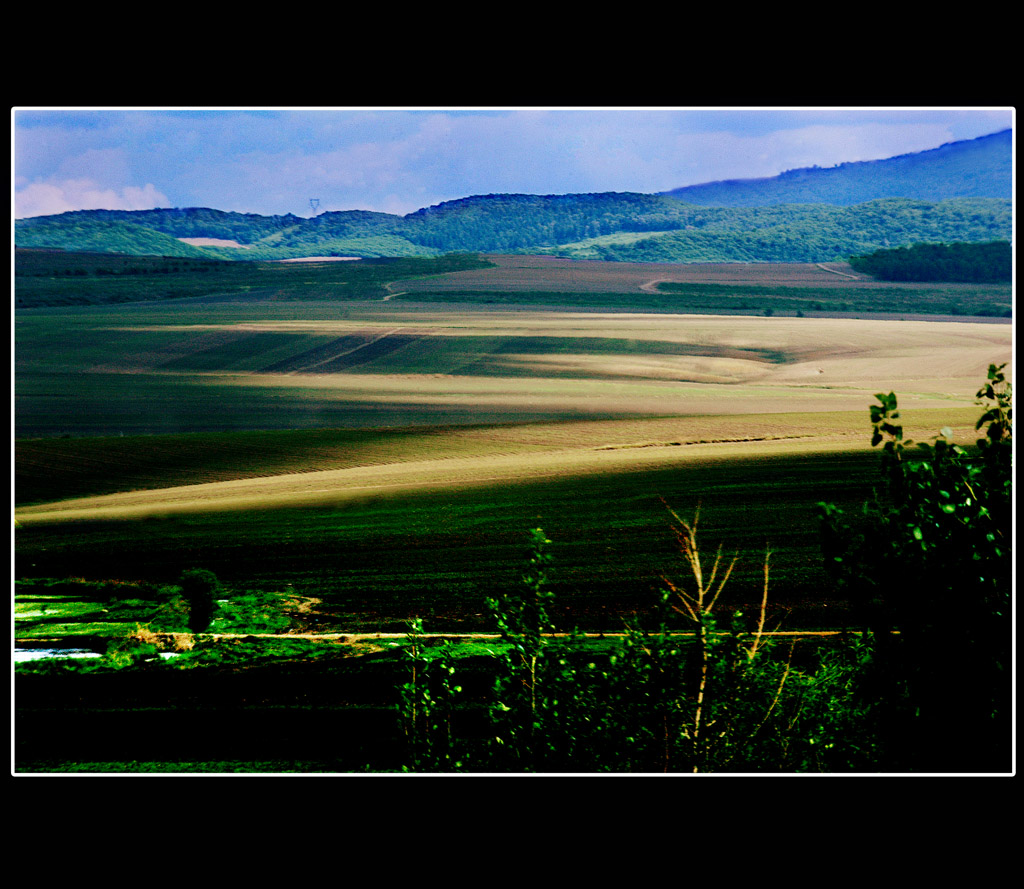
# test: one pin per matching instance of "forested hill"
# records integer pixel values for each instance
(624, 227)
(609, 226)
(980, 168)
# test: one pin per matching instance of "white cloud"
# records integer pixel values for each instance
(61, 196)
(835, 144)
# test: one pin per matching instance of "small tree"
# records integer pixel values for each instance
(200, 588)
(426, 705)
(547, 709)
(522, 622)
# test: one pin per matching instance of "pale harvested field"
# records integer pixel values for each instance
(735, 387)
(821, 354)
(338, 486)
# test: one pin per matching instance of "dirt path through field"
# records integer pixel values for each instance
(836, 271)
(370, 639)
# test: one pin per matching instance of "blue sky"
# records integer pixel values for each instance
(274, 160)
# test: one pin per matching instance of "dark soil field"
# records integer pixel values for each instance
(815, 289)
(526, 273)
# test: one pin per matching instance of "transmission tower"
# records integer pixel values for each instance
(314, 204)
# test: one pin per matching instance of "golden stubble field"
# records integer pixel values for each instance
(743, 387)
(767, 362)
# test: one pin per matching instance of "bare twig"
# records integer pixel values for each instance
(698, 606)
(725, 579)
(751, 652)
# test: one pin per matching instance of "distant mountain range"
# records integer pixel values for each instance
(976, 168)
(961, 192)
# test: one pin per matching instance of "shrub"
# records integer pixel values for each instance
(542, 715)
(727, 698)
(131, 649)
(200, 588)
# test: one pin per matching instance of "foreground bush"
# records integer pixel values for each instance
(929, 564)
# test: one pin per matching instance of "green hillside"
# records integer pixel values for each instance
(815, 233)
(89, 234)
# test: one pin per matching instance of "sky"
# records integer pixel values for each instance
(398, 160)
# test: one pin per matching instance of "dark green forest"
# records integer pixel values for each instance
(990, 263)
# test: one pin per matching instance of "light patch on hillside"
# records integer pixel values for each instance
(320, 259)
(214, 242)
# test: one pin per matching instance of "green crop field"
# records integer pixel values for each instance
(378, 559)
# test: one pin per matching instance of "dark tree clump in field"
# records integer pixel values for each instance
(200, 588)
(989, 263)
